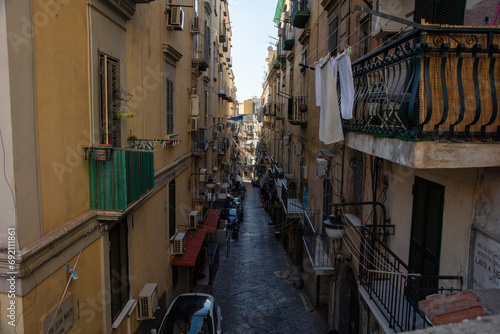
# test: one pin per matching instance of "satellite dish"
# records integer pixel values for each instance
(269, 48)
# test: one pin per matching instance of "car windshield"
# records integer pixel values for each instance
(189, 314)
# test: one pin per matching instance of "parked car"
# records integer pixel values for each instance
(192, 313)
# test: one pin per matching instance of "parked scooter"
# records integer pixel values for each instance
(235, 229)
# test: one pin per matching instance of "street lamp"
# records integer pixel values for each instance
(334, 226)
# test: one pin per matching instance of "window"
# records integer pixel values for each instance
(109, 93)
(169, 107)
(172, 226)
(303, 79)
(332, 34)
(118, 265)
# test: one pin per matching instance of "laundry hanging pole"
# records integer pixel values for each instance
(387, 16)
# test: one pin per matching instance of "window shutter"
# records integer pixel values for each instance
(440, 11)
(426, 229)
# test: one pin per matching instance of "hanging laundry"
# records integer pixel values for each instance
(330, 124)
(346, 84)
(317, 81)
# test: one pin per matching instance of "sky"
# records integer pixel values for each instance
(252, 24)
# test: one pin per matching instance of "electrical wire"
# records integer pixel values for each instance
(328, 38)
(69, 281)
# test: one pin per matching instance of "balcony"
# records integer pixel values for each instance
(201, 53)
(288, 39)
(223, 146)
(318, 247)
(433, 83)
(117, 178)
(297, 110)
(288, 197)
(388, 285)
(199, 141)
(300, 13)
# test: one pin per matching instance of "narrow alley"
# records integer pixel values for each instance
(255, 284)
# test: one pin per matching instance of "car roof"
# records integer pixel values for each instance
(198, 304)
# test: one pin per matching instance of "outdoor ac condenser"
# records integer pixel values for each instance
(147, 301)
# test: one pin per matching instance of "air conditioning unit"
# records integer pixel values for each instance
(175, 18)
(286, 141)
(193, 219)
(382, 27)
(193, 125)
(203, 176)
(147, 301)
(178, 247)
(321, 167)
(303, 172)
(195, 105)
(195, 26)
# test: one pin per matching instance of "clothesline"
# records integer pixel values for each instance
(362, 40)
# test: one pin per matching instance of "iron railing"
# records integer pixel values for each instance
(201, 52)
(317, 245)
(223, 146)
(393, 287)
(297, 110)
(199, 141)
(213, 258)
(288, 197)
(434, 83)
(119, 178)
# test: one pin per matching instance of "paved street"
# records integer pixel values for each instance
(248, 289)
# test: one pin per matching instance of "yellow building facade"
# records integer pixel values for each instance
(413, 174)
(112, 112)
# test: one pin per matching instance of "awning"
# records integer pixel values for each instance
(194, 242)
(236, 118)
(279, 11)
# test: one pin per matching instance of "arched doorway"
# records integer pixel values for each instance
(348, 303)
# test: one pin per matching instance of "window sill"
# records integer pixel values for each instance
(126, 311)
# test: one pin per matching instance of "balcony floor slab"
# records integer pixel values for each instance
(426, 154)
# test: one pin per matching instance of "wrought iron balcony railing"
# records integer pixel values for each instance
(393, 287)
(300, 13)
(317, 246)
(223, 146)
(199, 141)
(434, 83)
(297, 110)
(201, 52)
(119, 177)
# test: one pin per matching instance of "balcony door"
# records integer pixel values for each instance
(426, 230)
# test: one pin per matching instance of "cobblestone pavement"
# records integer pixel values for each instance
(252, 297)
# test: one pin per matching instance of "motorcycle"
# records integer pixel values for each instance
(235, 229)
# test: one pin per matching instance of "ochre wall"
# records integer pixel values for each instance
(61, 71)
